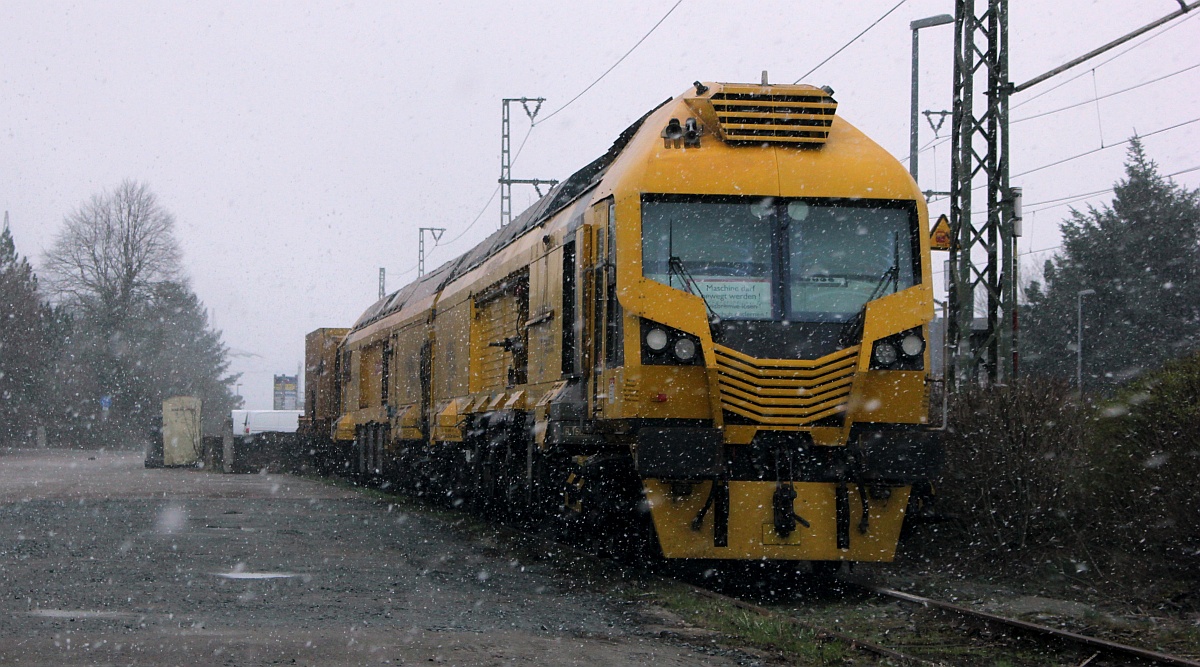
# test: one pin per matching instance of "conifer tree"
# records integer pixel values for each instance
(24, 353)
(181, 355)
(1141, 255)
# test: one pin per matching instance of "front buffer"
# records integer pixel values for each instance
(781, 497)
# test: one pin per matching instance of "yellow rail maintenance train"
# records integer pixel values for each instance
(712, 339)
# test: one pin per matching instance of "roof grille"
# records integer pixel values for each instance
(768, 114)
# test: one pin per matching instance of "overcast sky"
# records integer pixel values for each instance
(301, 144)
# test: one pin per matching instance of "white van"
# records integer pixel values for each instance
(249, 422)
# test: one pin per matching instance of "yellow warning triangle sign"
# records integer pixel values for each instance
(940, 238)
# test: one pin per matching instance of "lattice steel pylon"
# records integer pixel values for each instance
(506, 179)
(982, 255)
(436, 233)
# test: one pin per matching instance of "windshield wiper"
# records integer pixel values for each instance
(891, 276)
(676, 267)
(852, 331)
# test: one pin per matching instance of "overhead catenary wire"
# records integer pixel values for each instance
(1095, 100)
(1104, 148)
(938, 141)
(1182, 11)
(479, 215)
(1020, 254)
(1185, 171)
(1106, 95)
(1071, 199)
(490, 198)
(1065, 201)
(1092, 152)
(847, 44)
(942, 271)
(483, 210)
(406, 271)
(550, 115)
(1064, 82)
(613, 66)
(931, 144)
(1034, 252)
(939, 272)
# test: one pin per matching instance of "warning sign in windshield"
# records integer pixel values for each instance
(737, 298)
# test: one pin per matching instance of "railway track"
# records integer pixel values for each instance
(1054, 646)
(1103, 650)
(986, 638)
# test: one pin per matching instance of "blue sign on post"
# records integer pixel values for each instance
(105, 402)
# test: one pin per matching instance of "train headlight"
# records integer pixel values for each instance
(666, 346)
(912, 345)
(885, 353)
(656, 339)
(685, 349)
(901, 351)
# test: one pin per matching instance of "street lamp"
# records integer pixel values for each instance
(940, 19)
(1079, 338)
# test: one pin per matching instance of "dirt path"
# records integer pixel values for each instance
(103, 562)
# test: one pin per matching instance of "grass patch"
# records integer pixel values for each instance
(745, 628)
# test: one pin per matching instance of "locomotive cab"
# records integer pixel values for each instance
(760, 323)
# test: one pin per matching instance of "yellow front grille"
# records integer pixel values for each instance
(773, 114)
(785, 392)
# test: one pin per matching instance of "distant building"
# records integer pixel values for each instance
(286, 392)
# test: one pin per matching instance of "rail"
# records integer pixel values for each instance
(1091, 642)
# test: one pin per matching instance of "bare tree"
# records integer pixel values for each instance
(112, 250)
(110, 264)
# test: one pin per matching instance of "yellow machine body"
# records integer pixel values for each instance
(539, 333)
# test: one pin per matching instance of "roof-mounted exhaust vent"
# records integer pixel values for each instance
(780, 114)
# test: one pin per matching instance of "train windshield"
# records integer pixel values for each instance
(773, 259)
